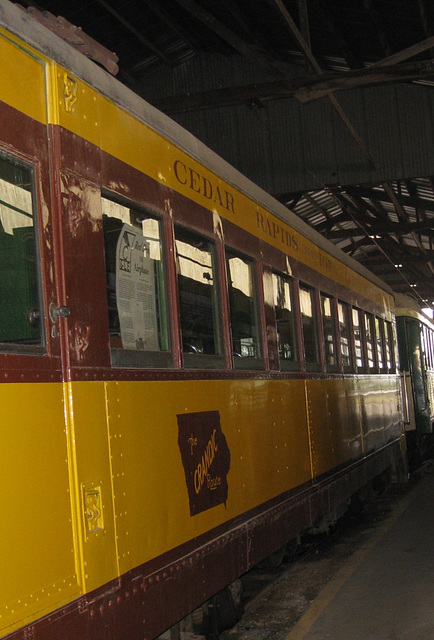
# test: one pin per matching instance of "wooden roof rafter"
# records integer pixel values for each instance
(311, 200)
(352, 60)
(388, 228)
(380, 195)
(378, 25)
(424, 18)
(167, 17)
(230, 37)
(372, 205)
(137, 34)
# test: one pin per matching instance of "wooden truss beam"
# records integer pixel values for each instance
(288, 87)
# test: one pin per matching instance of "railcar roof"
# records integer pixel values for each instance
(406, 306)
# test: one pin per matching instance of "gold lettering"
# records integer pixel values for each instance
(213, 483)
(230, 203)
(207, 188)
(276, 229)
(201, 472)
(218, 197)
(194, 180)
(176, 167)
(197, 485)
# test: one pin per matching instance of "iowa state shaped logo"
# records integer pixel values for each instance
(206, 458)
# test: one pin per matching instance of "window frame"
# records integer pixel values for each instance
(332, 368)
(380, 340)
(284, 363)
(389, 341)
(142, 359)
(371, 319)
(430, 340)
(247, 362)
(363, 368)
(203, 360)
(346, 368)
(427, 337)
(317, 327)
(42, 315)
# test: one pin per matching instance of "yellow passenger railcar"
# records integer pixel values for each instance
(190, 377)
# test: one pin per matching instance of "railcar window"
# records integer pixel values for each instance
(388, 345)
(357, 329)
(429, 347)
(283, 306)
(309, 323)
(429, 336)
(380, 342)
(198, 297)
(344, 333)
(136, 289)
(243, 311)
(426, 345)
(20, 308)
(369, 337)
(328, 323)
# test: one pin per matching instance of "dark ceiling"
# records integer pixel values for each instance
(334, 44)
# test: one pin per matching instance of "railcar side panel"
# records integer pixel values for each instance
(380, 408)
(38, 562)
(145, 437)
(40, 566)
(94, 517)
(349, 418)
(334, 425)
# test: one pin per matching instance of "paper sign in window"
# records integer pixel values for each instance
(135, 289)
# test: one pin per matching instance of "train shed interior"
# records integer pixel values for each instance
(193, 390)
(325, 105)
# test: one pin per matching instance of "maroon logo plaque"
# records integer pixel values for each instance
(206, 459)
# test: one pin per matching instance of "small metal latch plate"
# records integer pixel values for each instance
(93, 514)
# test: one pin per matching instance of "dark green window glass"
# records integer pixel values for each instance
(357, 329)
(242, 305)
(284, 317)
(328, 330)
(308, 320)
(369, 335)
(198, 294)
(379, 340)
(20, 310)
(344, 331)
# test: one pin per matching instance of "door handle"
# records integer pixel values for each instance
(58, 312)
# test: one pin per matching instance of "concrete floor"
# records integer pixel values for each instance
(386, 590)
(375, 582)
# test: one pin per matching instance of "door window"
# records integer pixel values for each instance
(285, 324)
(20, 300)
(198, 299)
(243, 310)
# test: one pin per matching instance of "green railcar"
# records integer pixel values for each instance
(416, 356)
